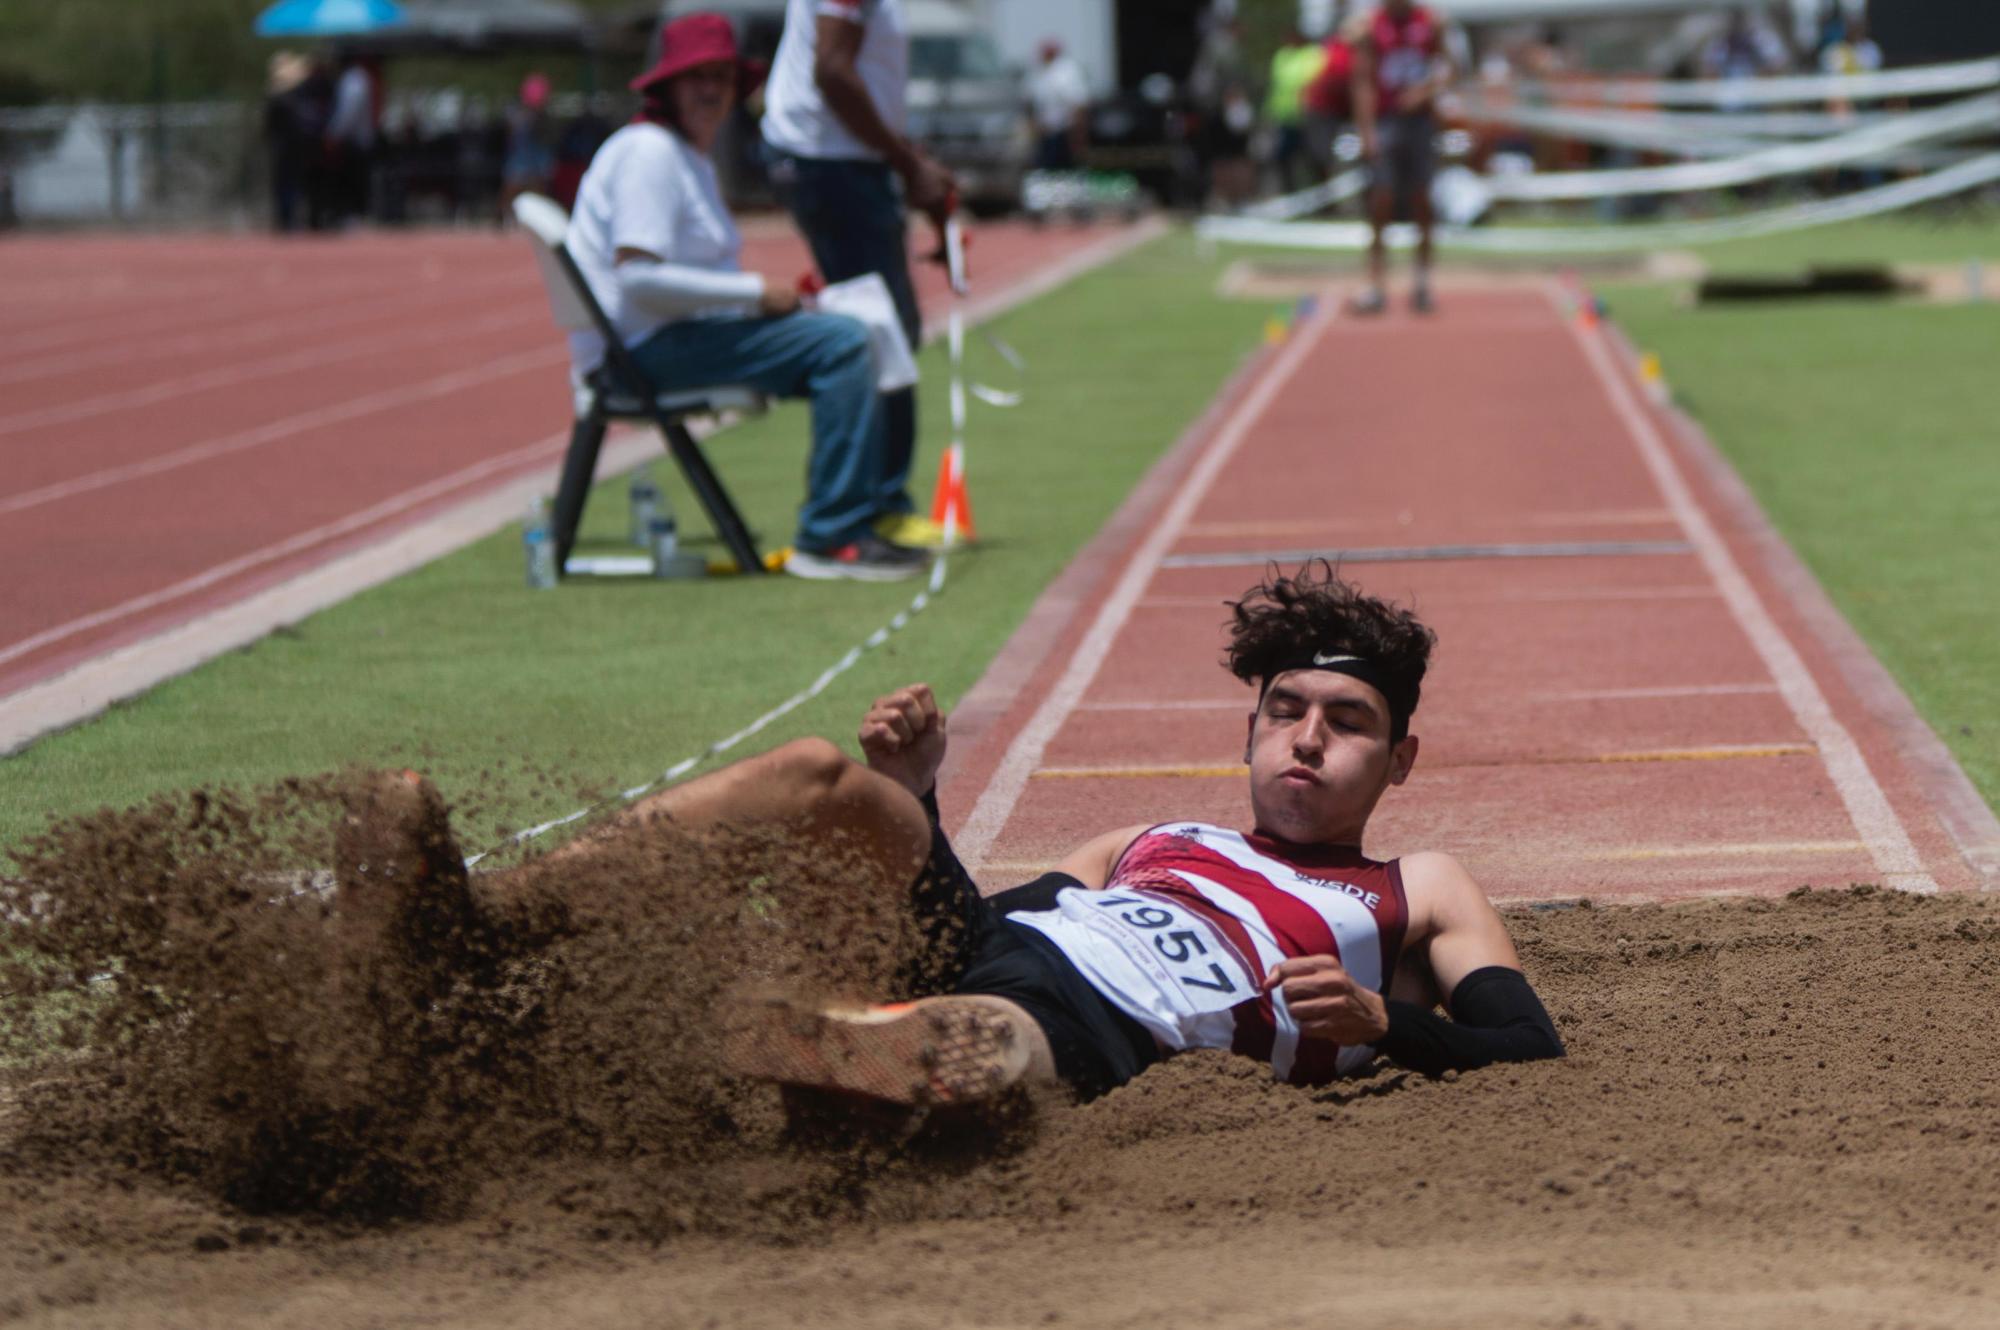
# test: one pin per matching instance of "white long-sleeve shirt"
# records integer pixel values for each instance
(648, 189)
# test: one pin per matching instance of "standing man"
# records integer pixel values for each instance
(1058, 97)
(835, 121)
(1400, 67)
(1295, 66)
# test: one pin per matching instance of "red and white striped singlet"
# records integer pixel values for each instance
(1193, 918)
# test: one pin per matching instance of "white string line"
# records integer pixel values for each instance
(681, 768)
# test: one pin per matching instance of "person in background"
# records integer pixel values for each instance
(530, 161)
(660, 251)
(1059, 104)
(1295, 66)
(836, 123)
(1400, 67)
(576, 145)
(1328, 100)
(351, 133)
(1219, 86)
(292, 125)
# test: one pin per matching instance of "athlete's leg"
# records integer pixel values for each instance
(1381, 210)
(935, 1052)
(1420, 208)
(808, 788)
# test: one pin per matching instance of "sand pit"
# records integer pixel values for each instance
(1774, 1112)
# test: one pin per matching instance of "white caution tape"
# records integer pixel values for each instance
(1958, 179)
(1973, 115)
(1312, 199)
(1921, 81)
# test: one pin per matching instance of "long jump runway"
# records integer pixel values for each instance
(187, 421)
(1628, 700)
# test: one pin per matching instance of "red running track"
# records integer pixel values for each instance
(188, 420)
(1626, 701)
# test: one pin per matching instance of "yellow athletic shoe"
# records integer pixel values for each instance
(912, 531)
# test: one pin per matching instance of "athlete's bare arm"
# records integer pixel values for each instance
(1453, 931)
(1091, 862)
(1451, 918)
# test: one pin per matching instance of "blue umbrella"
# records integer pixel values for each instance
(327, 18)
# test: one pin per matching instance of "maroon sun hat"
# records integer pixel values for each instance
(699, 39)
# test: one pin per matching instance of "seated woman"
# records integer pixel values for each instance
(656, 243)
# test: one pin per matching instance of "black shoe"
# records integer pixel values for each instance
(868, 559)
(1421, 302)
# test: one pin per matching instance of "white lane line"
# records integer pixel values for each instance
(352, 409)
(127, 671)
(304, 540)
(1640, 694)
(248, 371)
(283, 327)
(1003, 789)
(1867, 806)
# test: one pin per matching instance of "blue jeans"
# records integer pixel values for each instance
(851, 213)
(821, 356)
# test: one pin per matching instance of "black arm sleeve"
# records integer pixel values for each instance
(1495, 1017)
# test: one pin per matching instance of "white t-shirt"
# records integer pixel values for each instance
(1056, 90)
(647, 189)
(797, 119)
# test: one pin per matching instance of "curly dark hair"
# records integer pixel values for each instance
(1283, 621)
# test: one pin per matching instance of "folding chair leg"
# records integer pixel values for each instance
(579, 469)
(715, 501)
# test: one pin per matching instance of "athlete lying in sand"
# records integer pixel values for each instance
(1284, 943)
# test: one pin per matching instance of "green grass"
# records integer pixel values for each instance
(458, 669)
(1868, 432)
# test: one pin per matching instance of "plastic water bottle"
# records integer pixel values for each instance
(539, 543)
(665, 539)
(645, 507)
(1975, 281)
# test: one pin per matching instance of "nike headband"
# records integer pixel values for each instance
(1354, 667)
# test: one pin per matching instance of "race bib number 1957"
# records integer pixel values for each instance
(1177, 945)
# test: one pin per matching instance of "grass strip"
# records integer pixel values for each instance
(518, 703)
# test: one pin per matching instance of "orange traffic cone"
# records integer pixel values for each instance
(950, 508)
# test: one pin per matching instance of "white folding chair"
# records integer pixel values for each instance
(621, 390)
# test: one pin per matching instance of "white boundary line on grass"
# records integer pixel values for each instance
(1868, 807)
(1003, 789)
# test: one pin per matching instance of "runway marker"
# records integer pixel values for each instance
(1867, 806)
(1580, 549)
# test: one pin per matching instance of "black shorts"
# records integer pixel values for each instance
(1405, 155)
(976, 950)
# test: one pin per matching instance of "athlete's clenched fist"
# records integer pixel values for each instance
(902, 736)
(1327, 1002)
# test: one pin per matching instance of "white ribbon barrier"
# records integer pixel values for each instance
(1968, 175)
(1308, 201)
(1974, 115)
(1920, 81)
